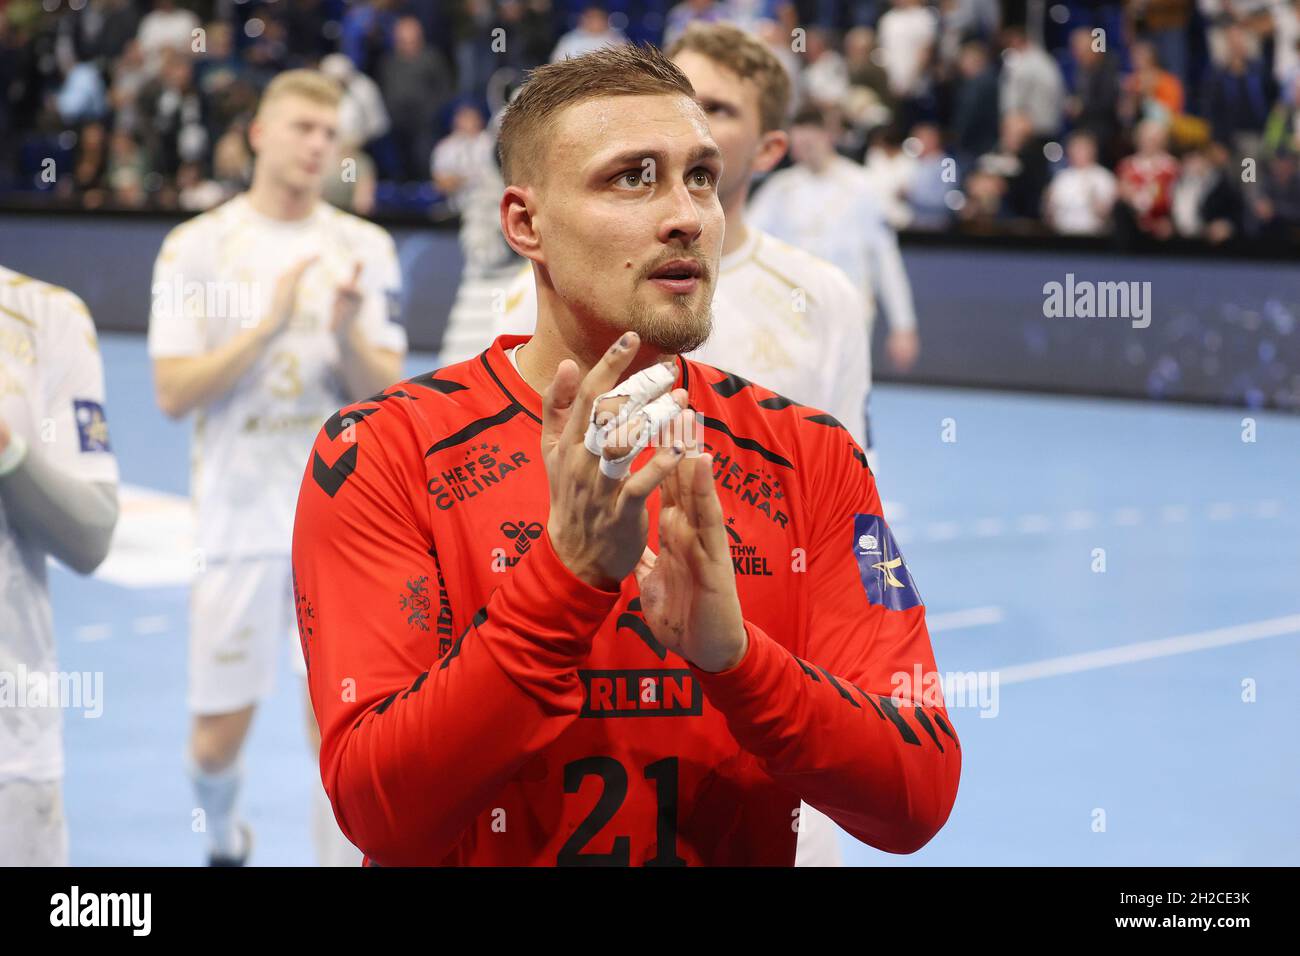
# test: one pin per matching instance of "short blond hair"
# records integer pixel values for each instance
(310, 85)
(749, 58)
(626, 70)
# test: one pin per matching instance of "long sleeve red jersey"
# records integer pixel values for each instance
(479, 704)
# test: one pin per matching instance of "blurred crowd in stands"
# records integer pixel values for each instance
(1157, 118)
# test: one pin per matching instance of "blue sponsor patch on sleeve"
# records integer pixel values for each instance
(884, 576)
(92, 426)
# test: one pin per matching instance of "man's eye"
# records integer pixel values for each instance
(633, 178)
(702, 176)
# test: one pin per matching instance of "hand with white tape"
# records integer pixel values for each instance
(624, 419)
(598, 523)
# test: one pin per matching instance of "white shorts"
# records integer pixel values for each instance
(240, 615)
(33, 831)
(818, 843)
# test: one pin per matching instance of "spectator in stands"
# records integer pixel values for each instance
(1150, 92)
(1080, 197)
(195, 192)
(528, 33)
(462, 156)
(165, 27)
(1015, 171)
(127, 171)
(82, 97)
(91, 168)
(975, 103)
(367, 33)
(268, 53)
(232, 160)
(689, 11)
(825, 78)
(416, 83)
(1207, 204)
(908, 33)
(962, 20)
(933, 178)
(475, 60)
(777, 33)
(176, 130)
(1031, 83)
(1220, 15)
(228, 84)
(1285, 28)
(592, 32)
(129, 77)
(305, 21)
(862, 62)
(1277, 206)
(1096, 91)
(363, 118)
(1237, 95)
(103, 30)
(1146, 181)
(1283, 121)
(1164, 24)
(889, 172)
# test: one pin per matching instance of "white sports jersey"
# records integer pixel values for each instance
(52, 394)
(835, 215)
(215, 275)
(782, 318)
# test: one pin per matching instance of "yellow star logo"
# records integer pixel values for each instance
(888, 568)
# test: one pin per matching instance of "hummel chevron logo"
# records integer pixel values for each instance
(332, 477)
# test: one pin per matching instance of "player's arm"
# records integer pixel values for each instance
(415, 742)
(372, 341)
(890, 276)
(845, 729)
(62, 493)
(413, 747)
(188, 375)
(69, 518)
(851, 376)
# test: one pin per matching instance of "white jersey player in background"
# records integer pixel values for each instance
(782, 318)
(269, 312)
(825, 204)
(58, 496)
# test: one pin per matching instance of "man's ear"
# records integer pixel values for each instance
(255, 135)
(519, 223)
(771, 148)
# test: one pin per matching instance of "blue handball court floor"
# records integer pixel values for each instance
(1122, 580)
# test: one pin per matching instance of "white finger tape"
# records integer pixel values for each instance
(646, 401)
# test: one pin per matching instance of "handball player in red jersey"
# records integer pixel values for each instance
(579, 601)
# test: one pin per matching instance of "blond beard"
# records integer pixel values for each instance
(682, 329)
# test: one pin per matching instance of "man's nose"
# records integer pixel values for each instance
(683, 220)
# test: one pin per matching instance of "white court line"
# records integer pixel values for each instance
(93, 632)
(1221, 511)
(1146, 650)
(1032, 524)
(153, 624)
(956, 620)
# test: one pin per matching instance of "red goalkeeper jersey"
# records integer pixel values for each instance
(479, 704)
